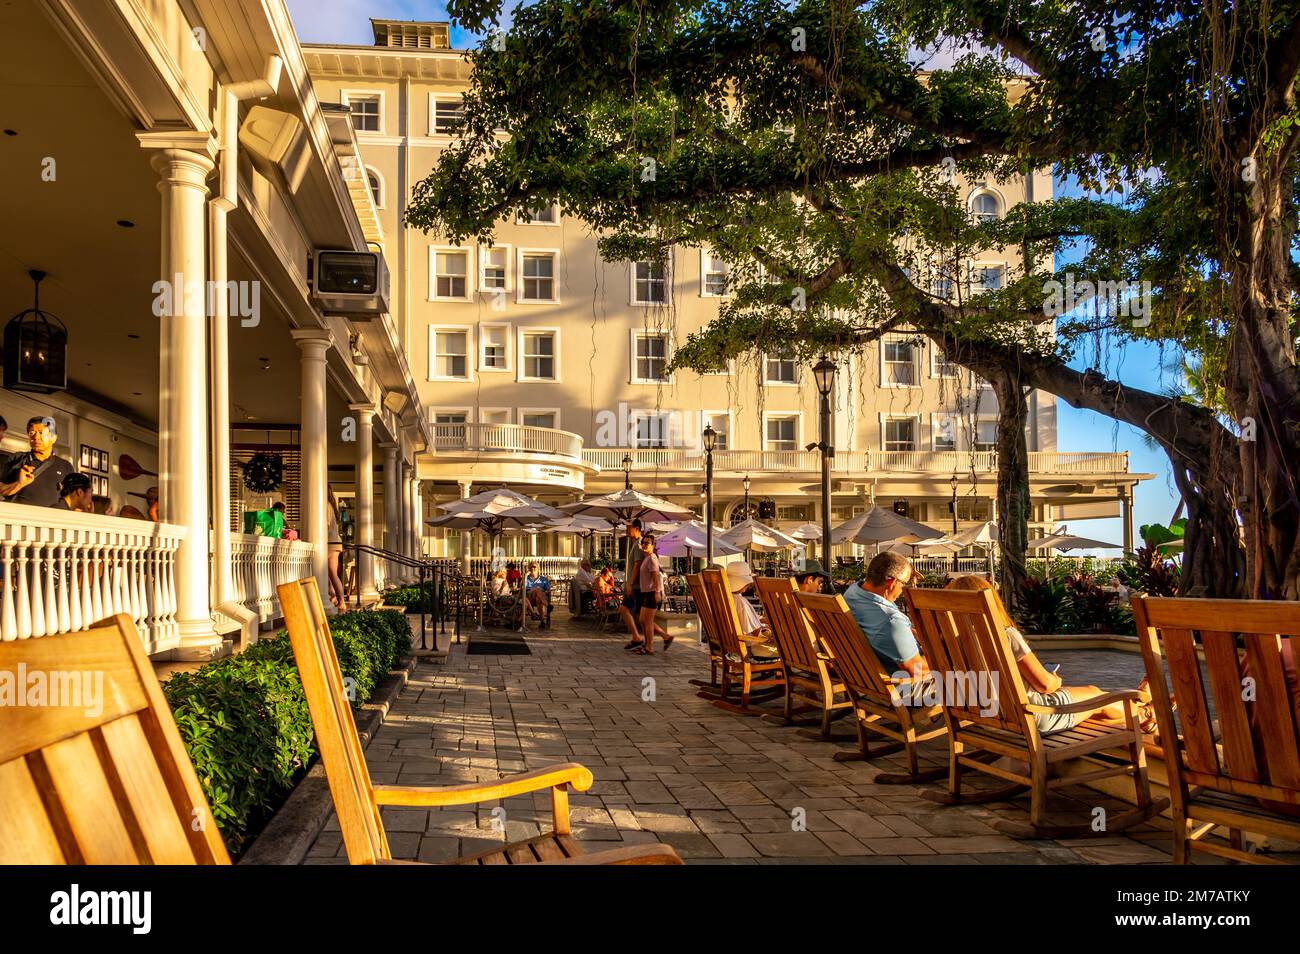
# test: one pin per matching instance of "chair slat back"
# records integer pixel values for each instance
(794, 636)
(705, 612)
(971, 658)
(723, 610)
(92, 767)
(856, 662)
(331, 717)
(1249, 682)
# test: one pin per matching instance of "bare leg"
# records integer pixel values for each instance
(337, 593)
(1112, 713)
(648, 627)
(630, 621)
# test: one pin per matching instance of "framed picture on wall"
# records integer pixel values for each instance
(86, 459)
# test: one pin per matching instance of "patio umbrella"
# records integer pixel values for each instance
(752, 535)
(498, 500)
(805, 531)
(629, 505)
(1068, 541)
(688, 540)
(580, 524)
(882, 526)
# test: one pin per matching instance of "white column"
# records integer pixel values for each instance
(417, 510)
(392, 512)
(464, 534)
(183, 388)
(365, 414)
(313, 343)
(408, 509)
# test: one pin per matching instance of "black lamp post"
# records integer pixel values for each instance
(824, 376)
(710, 440)
(954, 520)
(745, 483)
(627, 471)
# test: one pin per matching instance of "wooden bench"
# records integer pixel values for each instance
(811, 684)
(877, 705)
(107, 787)
(964, 643)
(1220, 783)
(357, 801)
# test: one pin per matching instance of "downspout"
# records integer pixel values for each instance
(219, 208)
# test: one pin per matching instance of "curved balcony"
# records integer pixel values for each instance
(506, 438)
(507, 453)
(854, 462)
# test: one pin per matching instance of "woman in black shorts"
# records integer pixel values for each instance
(650, 584)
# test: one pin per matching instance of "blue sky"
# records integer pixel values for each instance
(1140, 365)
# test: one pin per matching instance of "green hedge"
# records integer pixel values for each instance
(245, 722)
(413, 597)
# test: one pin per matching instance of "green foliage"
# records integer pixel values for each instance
(413, 597)
(1147, 572)
(245, 723)
(1075, 603)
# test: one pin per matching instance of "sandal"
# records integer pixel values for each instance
(642, 651)
(668, 641)
(635, 644)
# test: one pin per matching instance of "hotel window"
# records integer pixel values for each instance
(376, 188)
(651, 363)
(721, 423)
(654, 430)
(538, 276)
(987, 277)
(542, 215)
(782, 433)
(941, 284)
(940, 366)
(985, 207)
(780, 371)
(447, 116)
(945, 433)
(986, 435)
(449, 354)
(649, 283)
(537, 418)
(539, 355)
(365, 111)
(898, 363)
(494, 268)
(495, 343)
(450, 274)
(900, 434)
(494, 415)
(713, 275)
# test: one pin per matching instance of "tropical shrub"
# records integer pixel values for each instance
(1148, 572)
(245, 723)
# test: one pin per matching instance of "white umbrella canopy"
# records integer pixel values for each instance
(983, 535)
(498, 500)
(1068, 541)
(495, 521)
(882, 526)
(576, 523)
(805, 531)
(688, 540)
(752, 535)
(627, 505)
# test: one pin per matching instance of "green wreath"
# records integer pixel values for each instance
(263, 472)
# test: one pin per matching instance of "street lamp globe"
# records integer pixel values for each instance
(824, 375)
(709, 438)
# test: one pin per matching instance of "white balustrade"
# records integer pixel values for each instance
(852, 462)
(259, 564)
(64, 571)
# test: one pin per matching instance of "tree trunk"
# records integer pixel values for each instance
(1014, 501)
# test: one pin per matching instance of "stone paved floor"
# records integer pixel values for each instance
(671, 767)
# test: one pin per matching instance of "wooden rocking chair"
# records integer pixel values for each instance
(738, 662)
(707, 624)
(966, 648)
(1258, 759)
(880, 709)
(357, 801)
(811, 684)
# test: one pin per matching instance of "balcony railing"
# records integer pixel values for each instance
(853, 462)
(506, 439)
(259, 564)
(64, 571)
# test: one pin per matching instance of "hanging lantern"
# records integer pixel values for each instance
(767, 510)
(901, 507)
(36, 348)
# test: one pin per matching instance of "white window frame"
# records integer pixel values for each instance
(997, 197)
(976, 266)
(916, 431)
(797, 416)
(521, 362)
(706, 257)
(469, 352)
(484, 411)
(936, 420)
(936, 355)
(668, 286)
(434, 410)
(916, 370)
(345, 99)
(520, 255)
(483, 250)
(483, 342)
(383, 186)
(434, 251)
(706, 417)
(635, 335)
(555, 212)
(798, 372)
(434, 99)
(523, 411)
(975, 435)
(671, 421)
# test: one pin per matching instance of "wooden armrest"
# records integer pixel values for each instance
(1087, 705)
(566, 773)
(627, 855)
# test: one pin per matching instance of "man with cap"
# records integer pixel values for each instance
(812, 578)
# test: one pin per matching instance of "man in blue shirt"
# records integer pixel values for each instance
(887, 629)
(537, 592)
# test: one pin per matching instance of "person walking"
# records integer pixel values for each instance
(650, 583)
(334, 547)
